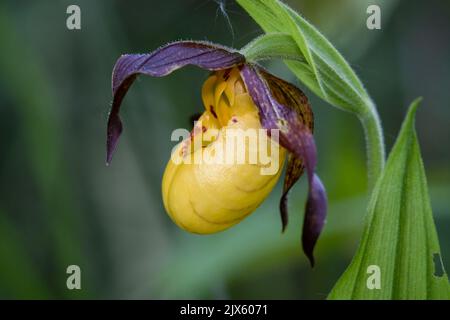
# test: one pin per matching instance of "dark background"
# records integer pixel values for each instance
(60, 204)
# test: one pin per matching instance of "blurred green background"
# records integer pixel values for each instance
(60, 204)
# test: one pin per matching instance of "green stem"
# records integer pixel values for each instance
(374, 143)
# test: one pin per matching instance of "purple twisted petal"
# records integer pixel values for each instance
(159, 63)
(315, 216)
(296, 137)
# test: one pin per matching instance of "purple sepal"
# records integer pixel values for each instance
(315, 216)
(294, 171)
(159, 63)
(296, 136)
(112, 135)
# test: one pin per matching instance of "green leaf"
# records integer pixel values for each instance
(322, 60)
(399, 236)
(318, 65)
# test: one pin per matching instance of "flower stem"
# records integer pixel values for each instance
(374, 143)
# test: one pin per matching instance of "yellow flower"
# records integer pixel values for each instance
(206, 198)
(242, 100)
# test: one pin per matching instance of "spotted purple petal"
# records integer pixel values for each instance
(273, 96)
(159, 63)
(292, 97)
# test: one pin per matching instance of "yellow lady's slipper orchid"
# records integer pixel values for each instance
(210, 196)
